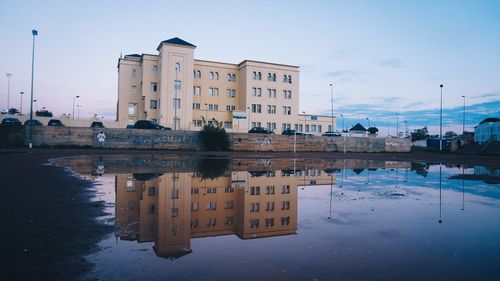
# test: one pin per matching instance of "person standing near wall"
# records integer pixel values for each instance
(101, 138)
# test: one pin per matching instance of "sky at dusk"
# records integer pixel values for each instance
(383, 57)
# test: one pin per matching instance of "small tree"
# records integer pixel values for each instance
(450, 134)
(214, 138)
(419, 134)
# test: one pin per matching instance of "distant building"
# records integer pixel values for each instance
(487, 129)
(372, 131)
(178, 91)
(358, 130)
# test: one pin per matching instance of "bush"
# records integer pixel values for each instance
(214, 138)
(212, 168)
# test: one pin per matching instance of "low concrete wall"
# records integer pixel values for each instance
(189, 140)
(116, 138)
(260, 142)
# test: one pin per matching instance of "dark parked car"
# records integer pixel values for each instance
(11, 122)
(55, 123)
(96, 124)
(260, 130)
(149, 124)
(130, 126)
(331, 134)
(289, 132)
(32, 122)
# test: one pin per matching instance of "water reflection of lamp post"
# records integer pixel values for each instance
(21, 107)
(441, 121)
(73, 114)
(331, 193)
(397, 124)
(8, 89)
(440, 184)
(463, 189)
(463, 124)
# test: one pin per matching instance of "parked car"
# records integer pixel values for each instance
(11, 122)
(130, 126)
(55, 123)
(331, 134)
(149, 124)
(96, 124)
(33, 122)
(260, 130)
(289, 132)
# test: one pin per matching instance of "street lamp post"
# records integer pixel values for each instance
(305, 122)
(463, 124)
(331, 87)
(397, 124)
(21, 106)
(78, 109)
(249, 111)
(342, 115)
(34, 33)
(441, 121)
(8, 90)
(73, 115)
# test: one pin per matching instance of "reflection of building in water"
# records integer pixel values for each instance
(171, 209)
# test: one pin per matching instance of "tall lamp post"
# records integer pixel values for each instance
(34, 33)
(331, 88)
(463, 124)
(78, 110)
(441, 120)
(73, 115)
(8, 90)
(342, 115)
(397, 124)
(21, 105)
(249, 111)
(305, 119)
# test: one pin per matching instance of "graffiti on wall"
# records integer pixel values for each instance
(264, 142)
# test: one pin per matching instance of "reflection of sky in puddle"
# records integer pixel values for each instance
(369, 225)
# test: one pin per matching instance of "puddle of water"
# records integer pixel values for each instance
(294, 219)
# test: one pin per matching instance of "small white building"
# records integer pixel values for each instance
(486, 129)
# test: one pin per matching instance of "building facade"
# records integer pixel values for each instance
(183, 93)
(487, 129)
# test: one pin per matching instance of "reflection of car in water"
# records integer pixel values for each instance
(146, 176)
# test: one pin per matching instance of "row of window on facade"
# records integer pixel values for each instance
(228, 189)
(270, 189)
(253, 223)
(271, 109)
(271, 93)
(154, 71)
(214, 75)
(271, 77)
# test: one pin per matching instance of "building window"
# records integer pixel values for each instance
(255, 190)
(154, 87)
(254, 77)
(151, 209)
(177, 67)
(195, 191)
(213, 92)
(211, 190)
(177, 85)
(228, 221)
(211, 206)
(285, 205)
(229, 205)
(231, 77)
(330, 128)
(197, 74)
(228, 190)
(271, 93)
(211, 222)
(285, 189)
(270, 222)
(194, 223)
(196, 105)
(134, 73)
(216, 75)
(307, 128)
(256, 108)
(254, 207)
(155, 70)
(313, 128)
(133, 89)
(230, 107)
(177, 103)
(231, 93)
(287, 110)
(270, 206)
(287, 94)
(196, 90)
(271, 109)
(132, 108)
(285, 220)
(175, 212)
(213, 106)
(271, 77)
(153, 104)
(151, 191)
(256, 92)
(228, 124)
(270, 189)
(254, 223)
(287, 79)
(197, 123)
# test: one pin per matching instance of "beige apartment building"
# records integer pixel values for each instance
(181, 92)
(173, 208)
